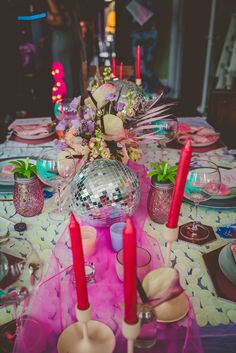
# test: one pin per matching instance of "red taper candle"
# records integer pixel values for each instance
(114, 66)
(78, 264)
(121, 71)
(138, 62)
(183, 168)
(130, 275)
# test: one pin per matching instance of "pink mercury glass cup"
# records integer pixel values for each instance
(143, 263)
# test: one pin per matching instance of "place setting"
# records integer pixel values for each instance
(32, 130)
(223, 196)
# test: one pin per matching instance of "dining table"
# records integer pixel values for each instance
(215, 317)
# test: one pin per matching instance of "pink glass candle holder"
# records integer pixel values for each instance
(28, 196)
(89, 238)
(143, 263)
(159, 199)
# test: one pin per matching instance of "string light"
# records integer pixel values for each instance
(59, 87)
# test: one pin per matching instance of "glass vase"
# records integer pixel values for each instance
(159, 199)
(28, 196)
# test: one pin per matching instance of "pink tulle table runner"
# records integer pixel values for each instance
(52, 307)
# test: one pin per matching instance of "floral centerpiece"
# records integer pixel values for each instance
(113, 121)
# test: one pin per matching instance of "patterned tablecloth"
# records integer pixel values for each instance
(210, 310)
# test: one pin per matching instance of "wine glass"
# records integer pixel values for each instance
(203, 181)
(66, 110)
(56, 168)
(166, 131)
(4, 266)
(17, 284)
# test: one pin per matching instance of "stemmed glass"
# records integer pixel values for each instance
(22, 271)
(203, 181)
(56, 168)
(4, 266)
(166, 130)
(66, 111)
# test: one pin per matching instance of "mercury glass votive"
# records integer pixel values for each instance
(159, 200)
(116, 232)
(28, 196)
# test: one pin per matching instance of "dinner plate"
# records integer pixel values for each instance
(224, 288)
(229, 203)
(34, 137)
(225, 197)
(8, 179)
(6, 192)
(200, 144)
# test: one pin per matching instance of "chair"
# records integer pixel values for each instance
(90, 70)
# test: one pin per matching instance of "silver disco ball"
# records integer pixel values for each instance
(123, 87)
(104, 191)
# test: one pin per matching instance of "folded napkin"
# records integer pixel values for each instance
(227, 231)
(198, 135)
(33, 130)
(33, 126)
(42, 121)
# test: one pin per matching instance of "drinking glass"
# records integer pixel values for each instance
(24, 271)
(203, 181)
(66, 110)
(147, 337)
(116, 233)
(56, 168)
(4, 266)
(166, 130)
(29, 337)
(143, 263)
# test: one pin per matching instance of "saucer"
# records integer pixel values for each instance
(157, 282)
(173, 310)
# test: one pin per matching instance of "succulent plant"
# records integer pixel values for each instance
(164, 173)
(24, 168)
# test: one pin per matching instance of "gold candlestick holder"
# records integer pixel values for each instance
(86, 336)
(170, 235)
(130, 332)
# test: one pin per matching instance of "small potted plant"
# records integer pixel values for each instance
(28, 195)
(160, 194)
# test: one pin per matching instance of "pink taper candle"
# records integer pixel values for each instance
(138, 62)
(114, 66)
(183, 168)
(78, 264)
(130, 275)
(121, 71)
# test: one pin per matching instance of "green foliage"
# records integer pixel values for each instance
(164, 173)
(107, 74)
(115, 150)
(24, 168)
